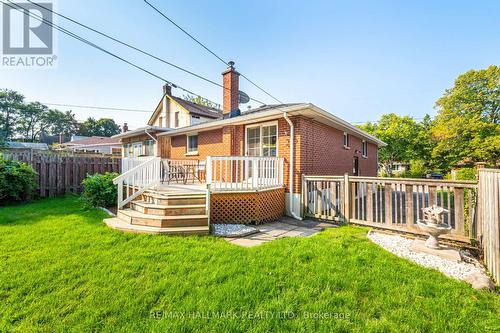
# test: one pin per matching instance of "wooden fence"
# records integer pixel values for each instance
(391, 203)
(63, 173)
(489, 217)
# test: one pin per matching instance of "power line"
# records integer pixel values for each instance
(135, 48)
(97, 107)
(210, 51)
(83, 40)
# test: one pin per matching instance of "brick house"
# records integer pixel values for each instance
(285, 139)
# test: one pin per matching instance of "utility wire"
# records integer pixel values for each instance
(134, 48)
(96, 107)
(83, 40)
(206, 48)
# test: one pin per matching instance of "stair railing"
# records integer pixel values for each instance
(135, 181)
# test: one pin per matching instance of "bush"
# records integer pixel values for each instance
(17, 181)
(99, 190)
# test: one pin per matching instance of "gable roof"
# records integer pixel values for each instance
(197, 109)
(192, 108)
(269, 112)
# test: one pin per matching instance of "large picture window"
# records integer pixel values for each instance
(262, 140)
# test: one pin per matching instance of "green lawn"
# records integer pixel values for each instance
(62, 269)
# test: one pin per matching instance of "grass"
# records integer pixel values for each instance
(62, 269)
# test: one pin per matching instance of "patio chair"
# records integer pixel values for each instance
(171, 171)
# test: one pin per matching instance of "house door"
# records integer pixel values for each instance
(355, 166)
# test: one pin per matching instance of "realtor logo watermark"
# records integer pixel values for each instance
(27, 40)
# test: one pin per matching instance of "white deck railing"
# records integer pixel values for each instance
(131, 162)
(138, 179)
(240, 173)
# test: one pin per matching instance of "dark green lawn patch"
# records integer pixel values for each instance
(62, 269)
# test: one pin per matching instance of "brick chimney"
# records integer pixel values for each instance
(167, 89)
(231, 80)
(125, 128)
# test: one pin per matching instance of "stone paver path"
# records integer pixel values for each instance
(286, 227)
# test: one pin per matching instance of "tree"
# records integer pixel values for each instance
(101, 127)
(58, 122)
(31, 120)
(402, 135)
(200, 101)
(467, 125)
(10, 104)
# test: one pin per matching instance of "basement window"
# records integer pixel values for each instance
(346, 140)
(192, 144)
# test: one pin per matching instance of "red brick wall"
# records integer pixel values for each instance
(210, 143)
(318, 149)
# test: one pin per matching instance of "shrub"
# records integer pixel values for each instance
(99, 190)
(466, 174)
(17, 181)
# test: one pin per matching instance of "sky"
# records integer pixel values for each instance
(355, 59)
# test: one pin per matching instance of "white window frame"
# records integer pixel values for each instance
(194, 152)
(269, 123)
(344, 139)
(364, 148)
(177, 119)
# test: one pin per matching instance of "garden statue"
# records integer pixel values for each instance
(433, 225)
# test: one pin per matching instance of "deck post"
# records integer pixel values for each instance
(347, 206)
(208, 166)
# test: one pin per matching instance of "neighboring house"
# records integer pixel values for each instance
(26, 145)
(311, 140)
(93, 144)
(398, 168)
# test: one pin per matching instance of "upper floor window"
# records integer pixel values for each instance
(346, 140)
(176, 119)
(160, 121)
(365, 149)
(192, 143)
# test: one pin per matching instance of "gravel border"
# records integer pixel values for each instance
(233, 230)
(400, 246)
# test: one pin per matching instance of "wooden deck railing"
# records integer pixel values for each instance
(391, 203)
(135, 181)
(489, 219)
(241, 173)
(129, 163)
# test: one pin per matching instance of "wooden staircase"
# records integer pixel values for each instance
(160, 212)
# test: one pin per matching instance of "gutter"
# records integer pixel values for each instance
(292, 158)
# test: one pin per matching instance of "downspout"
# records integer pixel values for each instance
(292, 144)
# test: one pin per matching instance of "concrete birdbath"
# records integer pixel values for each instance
(433, 225)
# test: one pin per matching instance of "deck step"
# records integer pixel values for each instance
(175, 200)
(119, 224)
(137, 218)
(167, 210)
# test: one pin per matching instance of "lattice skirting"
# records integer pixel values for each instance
(247, 207)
